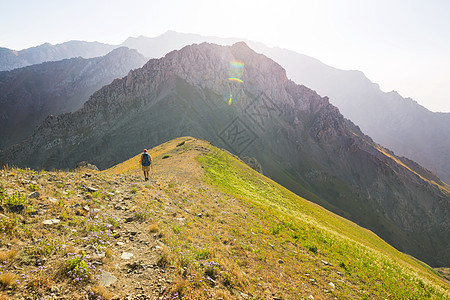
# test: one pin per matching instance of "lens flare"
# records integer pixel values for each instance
(236, 64)
(236, 79)
(236, 71)
(231, 100)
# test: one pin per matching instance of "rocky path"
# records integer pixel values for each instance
(140, 272)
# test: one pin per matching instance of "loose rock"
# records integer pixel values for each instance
(34, 195)
(107, 279)
(127, 255)
(51, 222)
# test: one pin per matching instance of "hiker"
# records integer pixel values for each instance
(146, 161)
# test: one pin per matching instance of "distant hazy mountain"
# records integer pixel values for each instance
(12, 59)
(243, 101)
(398, 123)
(29, 94)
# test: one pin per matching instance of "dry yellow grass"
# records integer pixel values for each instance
(71, 249)
(443, 187)
(8, 279)
(154, 227)
(180, 285)
(40, 280)
(7, 255)
(133, 164)
(102, 292)
(108, 252)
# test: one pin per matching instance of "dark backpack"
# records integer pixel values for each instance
(146, 159)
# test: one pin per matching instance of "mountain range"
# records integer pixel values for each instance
(244, 102)
(29, 94)
(398, 123)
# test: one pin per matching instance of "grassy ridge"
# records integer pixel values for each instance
(204, 226)
(371, 264)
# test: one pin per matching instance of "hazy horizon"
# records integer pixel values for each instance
(402, 45)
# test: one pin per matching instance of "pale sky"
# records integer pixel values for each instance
(402, 45)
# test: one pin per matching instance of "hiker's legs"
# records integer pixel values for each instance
(146, 170)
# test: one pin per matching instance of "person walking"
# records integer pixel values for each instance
(146, 161)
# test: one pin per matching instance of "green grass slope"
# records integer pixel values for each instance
(314, 234)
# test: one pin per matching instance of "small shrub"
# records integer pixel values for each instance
(3, 195)
(77, 268)
(154, 227)
(17, 199)
(45, 247)
(96, 194)
(203, 254)
(134, 190)
(165, 156)
(275, 230)
(176, 229)
(100, 239)
(40, 280)
(108, 253)
(61, 202)
(184, 262)
(163, 260)
(9, 226)
(115, 222)
(312, 248)
(211, 272)
(33, 187)
(76, 220)
(296, 236)
(227, 280)
(141, 214)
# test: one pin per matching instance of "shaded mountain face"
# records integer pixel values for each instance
(28, 95)
(242, 101)
(11, 59)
